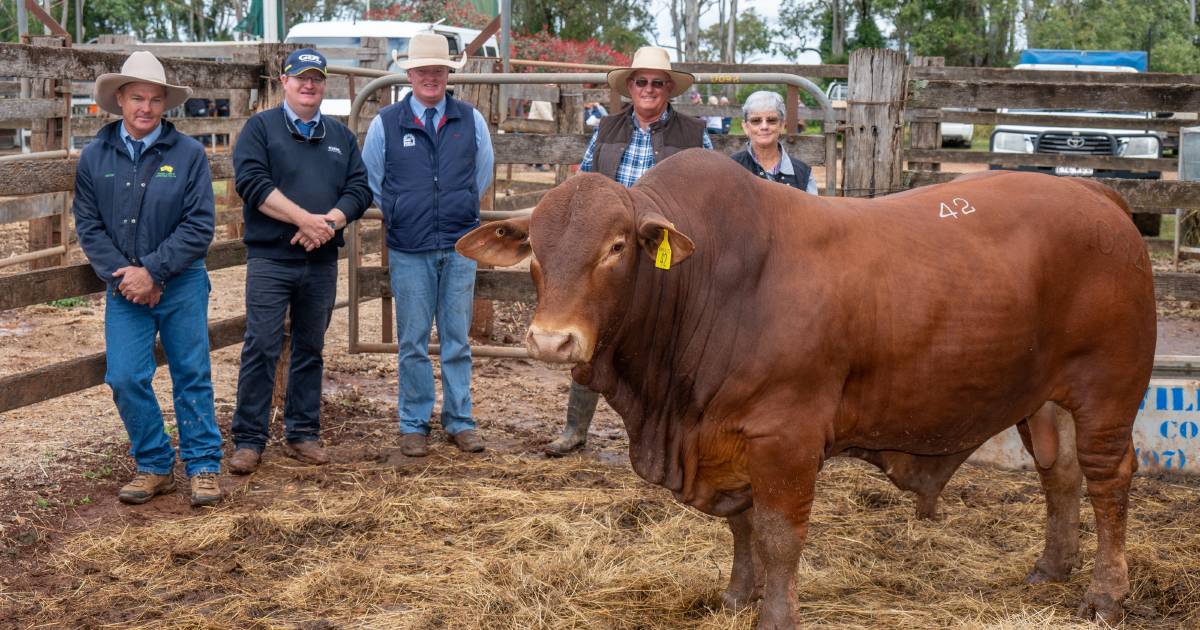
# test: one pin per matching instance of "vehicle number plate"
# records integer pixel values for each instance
(1077, 171)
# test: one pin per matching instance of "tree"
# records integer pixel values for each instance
(754, 37)
(1163, 28)
(621, 24)
(965, 32)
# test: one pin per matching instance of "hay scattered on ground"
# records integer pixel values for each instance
(513, 542)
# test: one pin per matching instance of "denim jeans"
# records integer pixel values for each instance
(437, 283)
(272, 287)
(181, 320)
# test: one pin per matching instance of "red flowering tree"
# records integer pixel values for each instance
(454, 12)
(545, 47)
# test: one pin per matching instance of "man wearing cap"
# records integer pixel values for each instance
(430, 158)
(144, 216)
(302, 179)
(624, 146)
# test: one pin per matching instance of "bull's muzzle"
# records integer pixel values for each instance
(557, 346)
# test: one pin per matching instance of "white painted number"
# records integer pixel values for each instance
(958, 203)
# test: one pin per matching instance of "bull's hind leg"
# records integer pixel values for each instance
(1105, 450)
(745, 581)
(1061, 483)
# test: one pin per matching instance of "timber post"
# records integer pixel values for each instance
(877, 80)
(485, 97)
(49, 134)
(925, 130)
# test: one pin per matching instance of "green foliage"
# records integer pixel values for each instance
(71, 302)
(1159, 27)
(617, 23)
(754, 36)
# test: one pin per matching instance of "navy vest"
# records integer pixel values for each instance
(428, 190)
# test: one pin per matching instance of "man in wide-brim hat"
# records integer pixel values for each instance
(429, 159)
(624, 146)
(144, 216)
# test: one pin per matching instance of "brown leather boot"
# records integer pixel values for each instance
(308, 451)
(468, 441)
(244, 461)
(205, 490)
(146, 486)
(414, 444)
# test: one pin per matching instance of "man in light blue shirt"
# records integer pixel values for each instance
(429, 158)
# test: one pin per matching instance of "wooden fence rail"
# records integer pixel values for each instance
(20, 60)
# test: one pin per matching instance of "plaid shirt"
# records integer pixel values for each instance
(639, 155)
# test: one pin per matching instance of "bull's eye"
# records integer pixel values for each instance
(618, 247)
(501, 232)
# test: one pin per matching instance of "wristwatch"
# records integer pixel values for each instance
(332, 225)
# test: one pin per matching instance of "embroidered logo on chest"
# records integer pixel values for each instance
(335, 150)
(409, 140)
(166, 170)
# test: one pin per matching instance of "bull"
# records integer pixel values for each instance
(746, 332)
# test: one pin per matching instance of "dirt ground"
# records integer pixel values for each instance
(506, 538)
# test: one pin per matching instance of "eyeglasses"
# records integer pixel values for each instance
(313, 80)
(758, 120)
(657, 84)
(299, 137)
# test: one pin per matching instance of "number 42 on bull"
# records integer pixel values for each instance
(958, 203)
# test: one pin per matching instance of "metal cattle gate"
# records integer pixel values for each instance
(385, 80)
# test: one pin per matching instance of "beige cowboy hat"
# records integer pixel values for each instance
(140, 67)
(650, 58)
(430, 49)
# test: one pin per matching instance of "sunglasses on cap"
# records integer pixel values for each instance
(657, 84)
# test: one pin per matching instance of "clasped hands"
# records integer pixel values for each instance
(137, 286)
(314, 230)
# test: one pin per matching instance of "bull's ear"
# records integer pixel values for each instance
(650, 236)
(500, 243)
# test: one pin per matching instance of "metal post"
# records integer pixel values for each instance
(270, 21)
(22, 20)
(505, 34)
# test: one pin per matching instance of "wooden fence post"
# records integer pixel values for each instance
(486, 99)
(877, 80)
(49, 134)
(926, 135)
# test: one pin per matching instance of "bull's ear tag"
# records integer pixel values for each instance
(663, 260)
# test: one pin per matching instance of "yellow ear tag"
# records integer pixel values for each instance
(663, 260)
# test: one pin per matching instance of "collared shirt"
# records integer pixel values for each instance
(305, 128)
(373, 148)
(784, 167)
(148, 140)
(639, 155)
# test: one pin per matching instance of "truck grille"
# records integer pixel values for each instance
(1082, 144)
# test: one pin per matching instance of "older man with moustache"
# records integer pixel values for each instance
(624, 146)
(144, 216)
(430, 158)
(302, 179)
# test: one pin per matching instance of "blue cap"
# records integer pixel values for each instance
(304, 59)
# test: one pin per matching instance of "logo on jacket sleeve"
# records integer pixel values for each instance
(166, 170)
(409, 140)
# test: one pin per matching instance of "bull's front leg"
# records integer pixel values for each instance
(745, 581)
(783, 479)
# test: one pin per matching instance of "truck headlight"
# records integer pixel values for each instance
(1139, 147)
(1008, 142)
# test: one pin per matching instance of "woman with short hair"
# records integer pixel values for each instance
(762, 122)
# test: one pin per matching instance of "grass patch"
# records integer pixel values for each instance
(71, 302)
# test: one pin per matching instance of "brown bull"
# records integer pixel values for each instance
(905, 330)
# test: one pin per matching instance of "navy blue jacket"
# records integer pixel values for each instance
(429, 195)
(157, 214)
(317, 176)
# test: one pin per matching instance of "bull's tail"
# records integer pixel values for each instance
(1097, 187)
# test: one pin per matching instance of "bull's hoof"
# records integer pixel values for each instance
(1101, 608)
(775, 618)
(736, 601)
(1042, 575)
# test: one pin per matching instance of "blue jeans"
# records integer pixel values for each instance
(272, 287)
(181, 320)
(426, 284)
